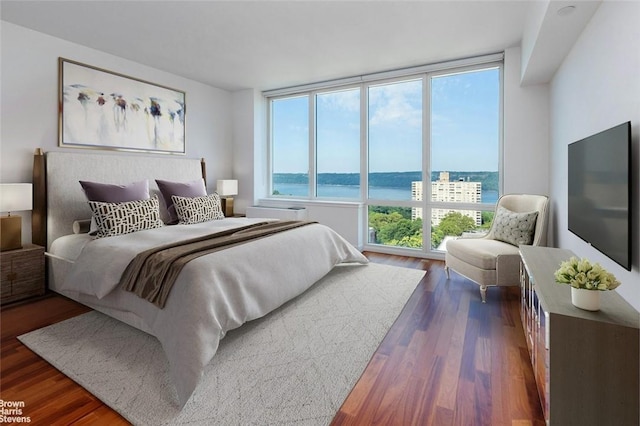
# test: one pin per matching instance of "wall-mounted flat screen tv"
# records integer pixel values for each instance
(599, 204)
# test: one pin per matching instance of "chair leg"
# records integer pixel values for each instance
(446, 269)
(483, 293)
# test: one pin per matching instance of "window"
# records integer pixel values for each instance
(465, 148)
(290, 146)
(417, 147)
(395, 139)
(334, 170)
(395, 162)
(338, 144)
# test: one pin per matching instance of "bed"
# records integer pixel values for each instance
(212, 294)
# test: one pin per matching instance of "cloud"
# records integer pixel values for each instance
(344, 100)
(396, 104)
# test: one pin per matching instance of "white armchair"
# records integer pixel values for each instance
(494, 259)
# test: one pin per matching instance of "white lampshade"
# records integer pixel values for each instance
(225, 187)
(16, 197)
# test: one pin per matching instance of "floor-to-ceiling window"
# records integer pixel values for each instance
(421, 151)
(395, 153)
(465, 122)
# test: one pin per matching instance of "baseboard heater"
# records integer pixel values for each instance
(283, 213)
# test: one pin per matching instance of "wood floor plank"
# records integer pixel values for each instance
(362, 389)
(483, 355)
(448, 359)
(443, 417)
(447, 394)
(465, 413)
(483, 397)
(426, 414)
(500, 411)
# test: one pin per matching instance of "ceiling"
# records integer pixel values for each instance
(273, 44)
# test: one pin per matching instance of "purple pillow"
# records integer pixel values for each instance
(112, 193)
(194, 188)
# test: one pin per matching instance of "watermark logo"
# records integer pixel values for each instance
(13, 412)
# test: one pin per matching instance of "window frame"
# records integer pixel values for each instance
(314, 161)
(429, 205)
(312, 144)
(426, 73)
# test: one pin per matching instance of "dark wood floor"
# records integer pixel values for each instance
(448, 360)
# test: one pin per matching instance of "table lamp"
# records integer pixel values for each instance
(14, 197)
(225, 189)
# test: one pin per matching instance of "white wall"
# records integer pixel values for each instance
(526, 131)
(597, 87)
(533, 24)
(29, 99)
(248, 148)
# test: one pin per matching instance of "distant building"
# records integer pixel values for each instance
(448, 191)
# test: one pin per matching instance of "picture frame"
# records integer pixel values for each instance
(101, 109)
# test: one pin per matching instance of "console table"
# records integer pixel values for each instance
(586, 364)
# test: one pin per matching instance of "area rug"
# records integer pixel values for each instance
(296, 365)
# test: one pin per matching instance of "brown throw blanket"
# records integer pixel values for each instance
(152, 273)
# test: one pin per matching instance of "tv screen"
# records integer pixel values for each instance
(600, 192)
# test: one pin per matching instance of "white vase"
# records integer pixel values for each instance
(589, 300)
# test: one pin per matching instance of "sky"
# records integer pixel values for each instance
(464, 124)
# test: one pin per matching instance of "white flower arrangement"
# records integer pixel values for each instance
(580, 273)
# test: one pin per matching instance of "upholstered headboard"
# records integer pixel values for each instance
(65, 201)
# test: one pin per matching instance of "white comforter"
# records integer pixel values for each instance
(214, 293)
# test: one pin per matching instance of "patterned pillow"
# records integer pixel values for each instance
(514, 228)
(198, 209)
(123, 218)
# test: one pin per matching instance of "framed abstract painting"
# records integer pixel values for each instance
(105, 110)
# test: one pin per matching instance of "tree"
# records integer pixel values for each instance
(487, 219)
(400, 229)
(393, 227)
(455, 223)
(403, 211)
(436, 237)
(381, 220)
(414, 241)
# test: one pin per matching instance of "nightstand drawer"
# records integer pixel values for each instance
(22, 273)
(5, 277)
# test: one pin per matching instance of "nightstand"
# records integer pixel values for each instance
(21, 273)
